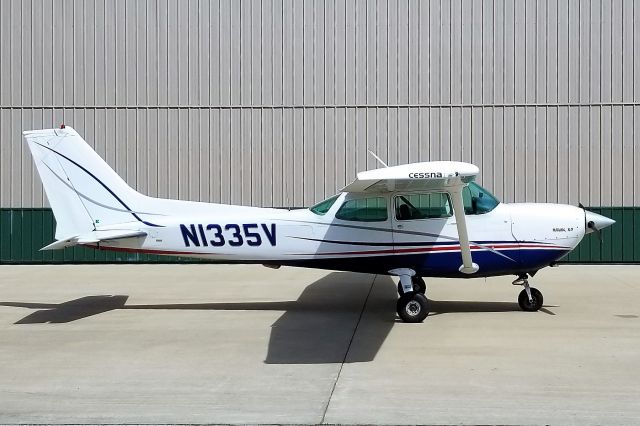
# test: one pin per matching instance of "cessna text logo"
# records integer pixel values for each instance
(234, 235)
(425, 175)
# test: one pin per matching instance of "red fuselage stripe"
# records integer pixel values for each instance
(147, 251)
(446, 248)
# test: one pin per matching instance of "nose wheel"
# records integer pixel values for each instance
(530, 299)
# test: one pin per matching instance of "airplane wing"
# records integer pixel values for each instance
(416, 176)
(94, 237)
(450, 176)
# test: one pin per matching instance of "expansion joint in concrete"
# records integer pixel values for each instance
(346, 352)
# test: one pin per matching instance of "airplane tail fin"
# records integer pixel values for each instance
(83, 191)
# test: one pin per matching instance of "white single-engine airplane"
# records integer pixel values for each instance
(412, 221)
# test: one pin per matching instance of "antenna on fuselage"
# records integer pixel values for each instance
(377, 158)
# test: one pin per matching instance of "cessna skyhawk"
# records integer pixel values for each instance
(412, 221)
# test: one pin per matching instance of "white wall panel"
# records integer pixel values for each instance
(275, 102)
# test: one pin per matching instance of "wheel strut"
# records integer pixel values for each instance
(527, 288)
(523, 280)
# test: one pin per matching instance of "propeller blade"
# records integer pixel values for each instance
(591, 225)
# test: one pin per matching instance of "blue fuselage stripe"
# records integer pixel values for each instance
(439, 264)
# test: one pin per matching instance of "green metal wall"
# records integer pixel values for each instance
(23, 231)
(619, 243)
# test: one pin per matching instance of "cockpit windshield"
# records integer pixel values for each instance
(478, 200)
(323, 206)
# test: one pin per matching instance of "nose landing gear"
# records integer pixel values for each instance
(530, 299)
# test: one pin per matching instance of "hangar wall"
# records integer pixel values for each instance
(275, 102)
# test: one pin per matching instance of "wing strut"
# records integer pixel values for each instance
(467, 267)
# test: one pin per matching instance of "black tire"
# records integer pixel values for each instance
(419, 286)
(412, 307)
(535, 305)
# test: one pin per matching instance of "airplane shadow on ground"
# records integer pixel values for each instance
(316, 328)
(450, 307)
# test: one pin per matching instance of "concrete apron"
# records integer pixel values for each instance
(246, 344)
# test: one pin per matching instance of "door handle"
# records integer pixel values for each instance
(399, 226)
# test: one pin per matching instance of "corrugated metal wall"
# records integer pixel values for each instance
(275, 102)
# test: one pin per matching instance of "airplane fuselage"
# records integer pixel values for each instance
(510, 239)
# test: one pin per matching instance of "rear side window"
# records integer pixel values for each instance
(364, 210)
(423, 206)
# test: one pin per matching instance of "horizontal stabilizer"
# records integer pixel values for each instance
(94, 237)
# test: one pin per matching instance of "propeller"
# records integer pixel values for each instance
(591, 225)
(595, 222)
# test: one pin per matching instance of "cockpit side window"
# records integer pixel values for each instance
(324, 206)
(478, 200)
(372, 209)
(433, 205)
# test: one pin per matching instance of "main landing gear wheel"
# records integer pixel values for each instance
(530, 305)
(413, 307)
(419, 286)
